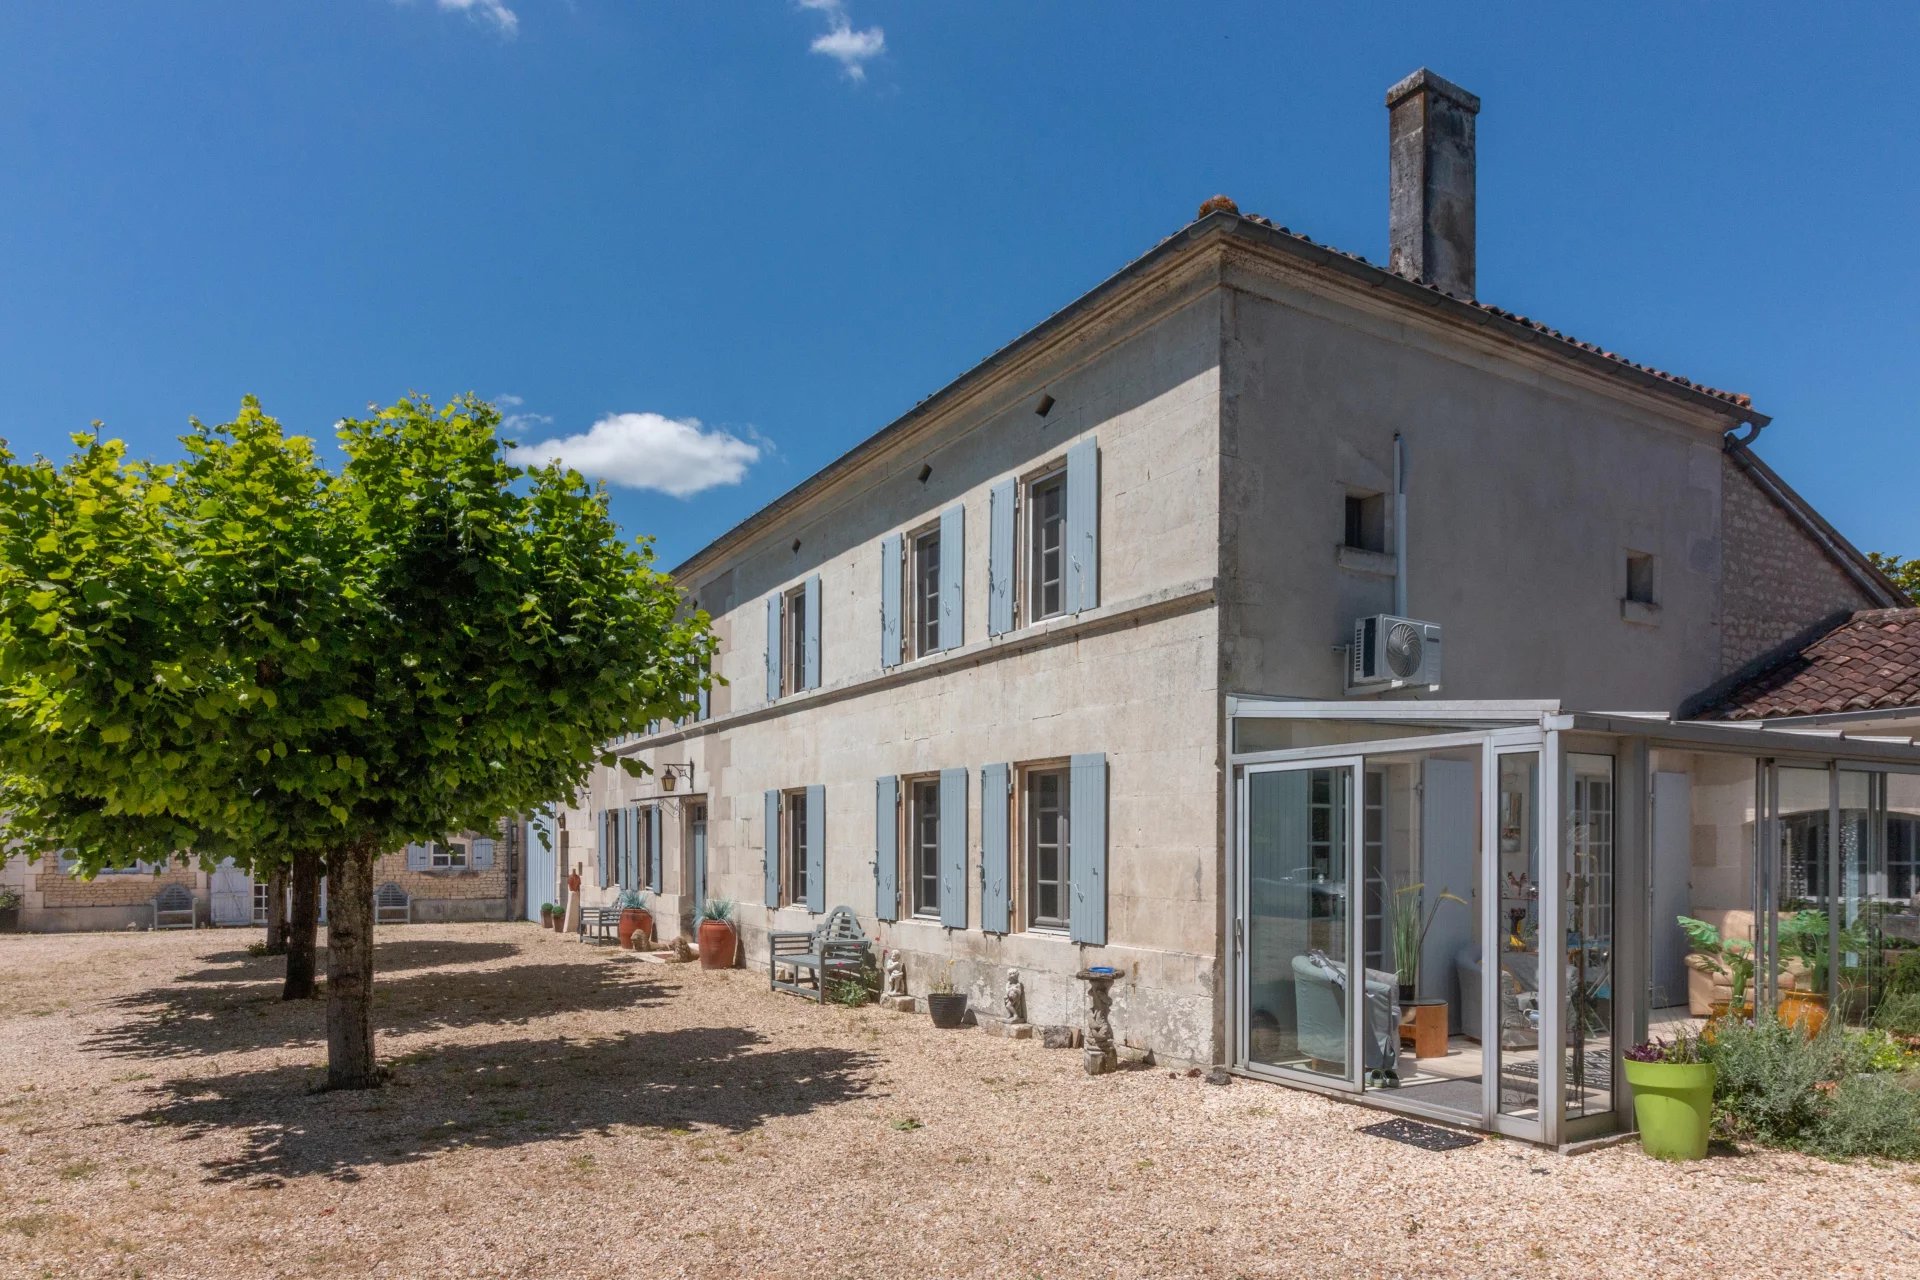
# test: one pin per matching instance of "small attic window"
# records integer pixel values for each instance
(926, 470)
(1045, 406)
(1639, 577)
(1366, 522)
(796, 545)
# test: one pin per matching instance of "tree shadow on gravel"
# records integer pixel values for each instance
(504, 1094)
(200, 1020)
(389, 957)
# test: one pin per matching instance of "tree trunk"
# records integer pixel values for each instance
(301, 924)
(277, 913)
(350, 1061)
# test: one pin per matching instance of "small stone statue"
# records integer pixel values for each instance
(893, 973)
(1015, 1004)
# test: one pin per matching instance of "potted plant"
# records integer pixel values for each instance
(546, 915)
(634, 918)
(947, 1007)
(1672, 1097)
(1731, 958)
(719, 940)
(9, 909)
(1409, 926)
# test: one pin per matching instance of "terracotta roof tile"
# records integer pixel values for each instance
(1870, 662)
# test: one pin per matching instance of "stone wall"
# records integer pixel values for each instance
(1777, 581)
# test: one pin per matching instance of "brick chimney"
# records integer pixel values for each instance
(1430, 181)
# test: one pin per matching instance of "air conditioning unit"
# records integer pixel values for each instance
(1394, 653)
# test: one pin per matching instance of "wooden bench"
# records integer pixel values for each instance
(600, 924)
(173, 908)
(837, 948)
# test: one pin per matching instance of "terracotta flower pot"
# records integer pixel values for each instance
(718, 943)
(1806, 1010)
(634, 920)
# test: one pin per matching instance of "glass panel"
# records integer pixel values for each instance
(1801, 866)
(1297, 926)
(1889, 916)
(1587, 1009)
(1517, 816)
(1423, 861)
(926, 848)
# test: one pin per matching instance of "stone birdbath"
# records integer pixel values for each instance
(1100, 1056)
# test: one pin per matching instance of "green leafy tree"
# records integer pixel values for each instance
(241, 655)
(1905, 573)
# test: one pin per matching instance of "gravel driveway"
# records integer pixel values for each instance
(564, 1111)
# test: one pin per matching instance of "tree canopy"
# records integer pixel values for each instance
(242, 654)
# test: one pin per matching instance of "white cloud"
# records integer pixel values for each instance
(850, 48)
(493, 13)
(675, 456)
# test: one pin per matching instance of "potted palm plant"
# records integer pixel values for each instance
(1672, 1097)
(1409, 925)
(1731, 958)
(947, 1007)
(719, 940)
(635, 919)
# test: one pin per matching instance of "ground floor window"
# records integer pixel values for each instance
(923, 823)
(447, 855)
(794, 842)
(1048, 849)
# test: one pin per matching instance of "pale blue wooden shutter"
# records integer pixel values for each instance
(419, 858)
(813, 632)
(1000, 558)
(886, 848)
(609, 828)
(996, 902)
(482, 853)
(953, 576)
(1083, 526)
(773, 848)
(630, 847)
(953, 848)
(890, 601)
(773, 647)
(816, 848)
(704, 705)
(653, 848)
(1087, 848)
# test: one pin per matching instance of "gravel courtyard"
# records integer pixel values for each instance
(565, 1111)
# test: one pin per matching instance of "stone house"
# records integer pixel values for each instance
(470, 876)
(1124, 648)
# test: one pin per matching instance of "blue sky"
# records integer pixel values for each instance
(648, 213)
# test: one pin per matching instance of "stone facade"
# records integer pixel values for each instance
(1779, 581)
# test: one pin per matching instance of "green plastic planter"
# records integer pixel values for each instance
(1673, 1105)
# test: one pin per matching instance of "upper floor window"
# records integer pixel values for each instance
(923, 578)
(1366, 522)
(1047, 546)
(793, 639)
(793, 663)
(1043, 542)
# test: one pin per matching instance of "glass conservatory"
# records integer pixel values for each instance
(1427, 897)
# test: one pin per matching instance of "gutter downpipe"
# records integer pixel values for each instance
(1399, 525)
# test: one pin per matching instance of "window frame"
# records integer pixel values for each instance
(793, 847)
(920, 592)
(438, 849)
(914, 873)
(1647, 590)
(1029, 583)
(793, 640)
(1030, 918)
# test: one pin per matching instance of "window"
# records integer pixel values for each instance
(1366, 525)
(923, 846)
(1047, 535)
(1048, 904)
(1639, 577)
(794, 838)
(793, 648)
(447, 855)
(923, 592)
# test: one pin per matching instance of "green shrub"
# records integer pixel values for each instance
(1899, 1014)
(1903, 975)
(1869, 1115)
(1767, 1077)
